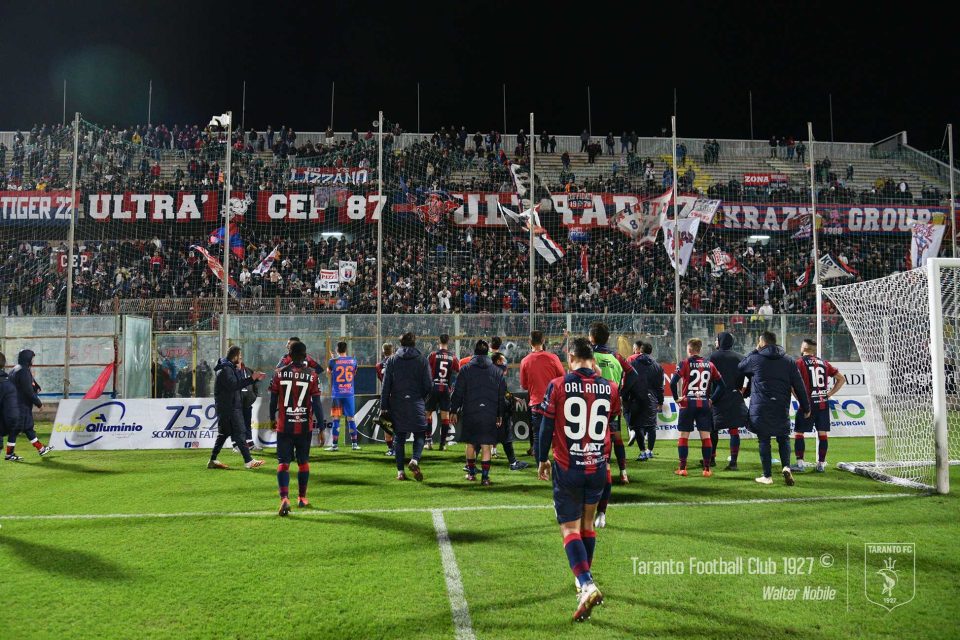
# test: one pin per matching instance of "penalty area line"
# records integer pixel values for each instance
(462, 625)
(503, 507)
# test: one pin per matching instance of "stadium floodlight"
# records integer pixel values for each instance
(907, 330)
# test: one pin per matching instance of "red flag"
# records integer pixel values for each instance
(96, 390)
(584, 263)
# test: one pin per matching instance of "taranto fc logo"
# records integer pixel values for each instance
(889, 573)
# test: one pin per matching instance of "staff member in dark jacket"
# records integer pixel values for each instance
(226, 396)
(644, 424)
(513, 407)
(729, 412)
(22, 378)
(406, 383)
(478, 404)
(772, 376)
(248, 396)
(9, 405)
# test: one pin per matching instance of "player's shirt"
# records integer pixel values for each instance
(295, 389)
(444, 367)
(286, 360)
(696, 377)
(815, 373)
(382, 368)
(579, 406)
(343, 369)
(611, 364)
(537, 370)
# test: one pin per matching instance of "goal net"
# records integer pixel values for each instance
(907, 330)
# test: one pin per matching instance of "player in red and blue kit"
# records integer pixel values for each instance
(695, 376)
(444, 367)
(313, 364)
(814, 372)
(294, 405)
(343, 371)
(577, 409)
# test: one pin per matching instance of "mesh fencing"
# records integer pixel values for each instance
(889, 319)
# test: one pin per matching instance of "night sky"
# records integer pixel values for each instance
(887, 69)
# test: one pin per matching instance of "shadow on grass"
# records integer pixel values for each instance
(70, 467)
(71, 563)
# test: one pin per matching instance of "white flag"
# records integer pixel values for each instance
(267, 262)
(348, 271)
(925, 243)
(688, 236)
(831, 268)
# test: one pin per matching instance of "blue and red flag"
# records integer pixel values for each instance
(236, 242)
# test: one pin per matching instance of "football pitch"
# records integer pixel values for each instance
(151, 544)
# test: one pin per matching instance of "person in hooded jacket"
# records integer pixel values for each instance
(505, 432)
(643, 423)
(22, 378)
(479, 403)
(9, 405)
(772, 376)
(226, 396)
(406, 384)
(729, 412)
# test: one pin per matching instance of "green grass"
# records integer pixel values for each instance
(379, 575)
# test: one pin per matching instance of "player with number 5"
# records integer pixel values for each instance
(576, 413)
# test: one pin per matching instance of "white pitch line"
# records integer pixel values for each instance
(503, 507)
(462, 625)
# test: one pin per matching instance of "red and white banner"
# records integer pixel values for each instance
(329, 175)
(328, 280)
(723, 261)
(294, 206)
(764, 179)
(178, 206)
(26, 206)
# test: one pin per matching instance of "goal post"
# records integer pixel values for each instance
(906, 327)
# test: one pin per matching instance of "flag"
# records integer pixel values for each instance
(518, 179)
(328, 280)
(236, 243)
(804, 278)
(585, 264)
(641, 222)
(723, 261)
(519, 226)
(217, 269)
(96, 389)
(705, 209)
(347, 271)
(831, 268)
(267, 262)
(804, 232)
(925, 242)
(688, 236)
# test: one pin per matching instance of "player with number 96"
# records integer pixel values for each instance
(576, 414)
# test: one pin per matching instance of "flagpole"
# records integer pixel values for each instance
(224, 338)
(589, 113)
(150, 103)
(380, 173)
(333, 90)
(953, 195)
(243, 109)
(71, 232)
(533, 193)
(676, 245)
(816, 241)
(504, 109)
